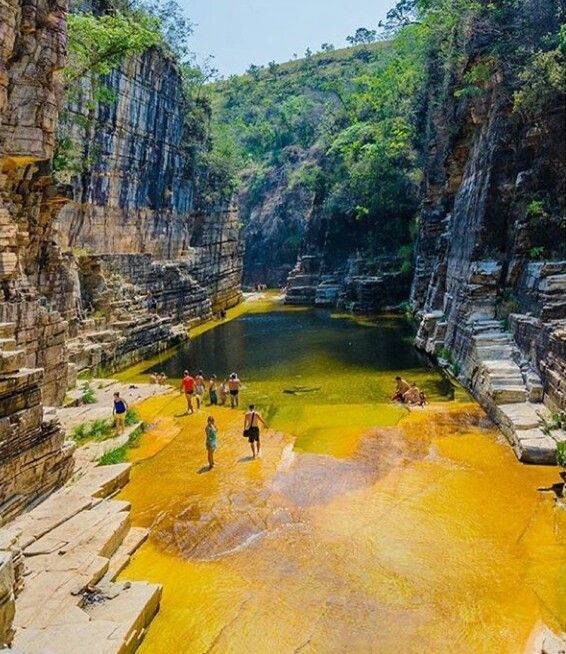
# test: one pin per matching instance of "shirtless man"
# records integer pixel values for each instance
(412, 395)
(188, 388)
(402, 386)
(251, 428)
(234, 387)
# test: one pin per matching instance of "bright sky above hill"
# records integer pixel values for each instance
(241, 32)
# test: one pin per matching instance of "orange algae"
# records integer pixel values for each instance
(363, 528)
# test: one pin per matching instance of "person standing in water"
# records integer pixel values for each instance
(211, 442)
(199, 388)
(234, 386)
(119, 412)
(223, 392)
(213, 390)
(188, 388)
(251, 428)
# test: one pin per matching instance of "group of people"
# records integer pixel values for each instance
(218, 393)
(158, 378)
(194, 388)
(408, 393)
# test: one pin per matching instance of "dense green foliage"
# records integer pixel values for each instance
(358, 116)
(98, 43)
(348, 117)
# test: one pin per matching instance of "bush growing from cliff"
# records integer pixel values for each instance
(99, 44)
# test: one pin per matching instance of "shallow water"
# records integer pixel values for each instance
(363, 527)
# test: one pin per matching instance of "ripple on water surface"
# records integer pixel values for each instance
(362, 528)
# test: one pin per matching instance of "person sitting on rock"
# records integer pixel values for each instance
(153, 378)
(402, 386)
(162, 378)
(412, 395)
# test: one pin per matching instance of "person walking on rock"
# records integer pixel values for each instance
(199, 388)
(119, 412)
(234, 385)
(211, 441)
(188, 388)
(251, 428)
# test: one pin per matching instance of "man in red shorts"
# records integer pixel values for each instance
(188, 388)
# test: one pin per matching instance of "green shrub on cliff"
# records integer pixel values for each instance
(561, 454)
(543, 80)
(98, 44)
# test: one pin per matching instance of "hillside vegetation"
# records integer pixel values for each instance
(332, 136)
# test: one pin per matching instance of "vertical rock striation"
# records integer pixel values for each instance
(480, 299)
(34, 458)
(133, 222)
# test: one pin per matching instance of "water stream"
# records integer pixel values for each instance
(363, 527)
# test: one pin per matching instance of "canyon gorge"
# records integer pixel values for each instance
(129, 219)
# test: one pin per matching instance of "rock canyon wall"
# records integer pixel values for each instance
(34, 458)
(99, 268)
(149, 257)
(483, 304)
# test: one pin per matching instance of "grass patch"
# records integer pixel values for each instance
(88, 396)
(120, 454)
(101, 430)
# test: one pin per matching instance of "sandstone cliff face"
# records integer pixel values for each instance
(77, 263)
(33, 456)
(479, 297)
(132, 227)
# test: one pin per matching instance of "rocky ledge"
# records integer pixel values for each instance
(353, 287)
(58, 569)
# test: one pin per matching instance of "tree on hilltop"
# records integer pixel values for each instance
(362, 36)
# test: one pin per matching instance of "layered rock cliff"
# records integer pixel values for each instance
(34, 458)
(149, 258)
(100, 268)
(481, 300)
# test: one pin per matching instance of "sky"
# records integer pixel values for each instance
(241, 32)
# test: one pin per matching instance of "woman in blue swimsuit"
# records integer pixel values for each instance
(211, 443)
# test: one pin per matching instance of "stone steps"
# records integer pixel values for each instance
(74, 546)
(523, 424)
(7, 329)
(7, 344)
(12, 361)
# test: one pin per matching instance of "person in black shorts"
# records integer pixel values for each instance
(251, 428)
(234, 385)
